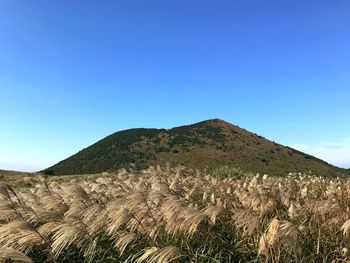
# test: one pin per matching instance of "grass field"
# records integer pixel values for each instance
(174, 215)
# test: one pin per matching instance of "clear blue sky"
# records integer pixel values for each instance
(72, 72)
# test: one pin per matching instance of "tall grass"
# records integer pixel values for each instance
(177, 216)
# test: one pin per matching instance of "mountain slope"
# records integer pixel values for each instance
(206, 144)
(11, 172)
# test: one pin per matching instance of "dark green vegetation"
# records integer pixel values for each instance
(207, 144)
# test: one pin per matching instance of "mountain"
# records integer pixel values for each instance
(9, 173)
(207, 144)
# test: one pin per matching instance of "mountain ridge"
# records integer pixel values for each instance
(206, 144)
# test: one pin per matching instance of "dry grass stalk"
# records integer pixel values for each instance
(8, 253)
(124, 239)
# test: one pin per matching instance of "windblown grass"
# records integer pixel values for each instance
(176, 216)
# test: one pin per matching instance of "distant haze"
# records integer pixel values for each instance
(18, 167)
(336, 152)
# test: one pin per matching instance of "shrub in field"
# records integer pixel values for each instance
(226, 171)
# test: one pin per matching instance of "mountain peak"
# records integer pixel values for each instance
(216, 121)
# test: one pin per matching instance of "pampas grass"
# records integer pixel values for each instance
(176, 215)
(8, 253)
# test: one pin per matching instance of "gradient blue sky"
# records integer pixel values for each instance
(72, 72)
